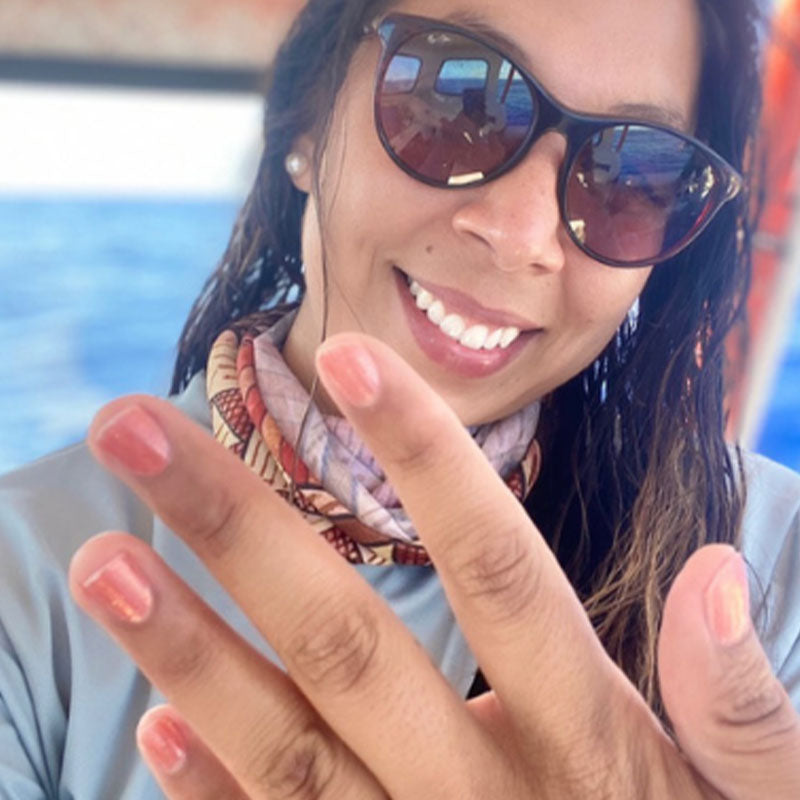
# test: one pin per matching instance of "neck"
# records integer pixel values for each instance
(298, 353)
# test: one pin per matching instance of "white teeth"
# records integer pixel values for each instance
(453, 326)
(493, 339)
(424, 299)
(509, 335)
(477, 337)
(436, 313)
(474, 337)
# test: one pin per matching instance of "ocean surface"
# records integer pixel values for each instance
(93, 295)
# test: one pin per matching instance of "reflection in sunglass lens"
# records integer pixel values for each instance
(636, 193)
(452, 111)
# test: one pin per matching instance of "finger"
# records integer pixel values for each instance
(731, 715)
(183, 766)
(516, 607)
(343, 647)
(246, 710)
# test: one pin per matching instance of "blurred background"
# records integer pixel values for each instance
(129, 135)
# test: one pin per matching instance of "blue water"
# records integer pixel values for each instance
(93, 295)
(780, 436)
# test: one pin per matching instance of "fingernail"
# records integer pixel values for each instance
(728, 603)
(164, 744)
(136, 440)
(120, 587)
(350, 372)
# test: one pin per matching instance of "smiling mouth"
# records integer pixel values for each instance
(474, 337)
(468, 344)
(486, 336)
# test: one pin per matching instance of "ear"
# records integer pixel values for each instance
(301, 154)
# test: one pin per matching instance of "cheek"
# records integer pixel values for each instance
(600, 299)
(311, 245)
(367, 199)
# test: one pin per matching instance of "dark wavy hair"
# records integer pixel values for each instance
(636, 472)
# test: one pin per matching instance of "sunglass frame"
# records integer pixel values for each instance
(576, 127)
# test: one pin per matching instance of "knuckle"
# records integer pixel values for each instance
(752, 701)
(501, 571)
(592, 771)
(302, 768)
(214, 525)
(187, 658)
(596, 783)
(585, 783)
(336, 650)
(420, 447)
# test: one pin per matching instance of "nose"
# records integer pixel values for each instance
(516, 216)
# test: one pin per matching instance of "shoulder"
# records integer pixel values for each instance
(61, 495)
(771, 547)
(59, 674)
(50, 507)
(771, 522)
(57, 502)
(53, 504)
(769, 484)
(48, 684)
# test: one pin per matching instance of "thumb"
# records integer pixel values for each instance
(731, 716)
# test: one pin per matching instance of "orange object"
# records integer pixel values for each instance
(779, 147)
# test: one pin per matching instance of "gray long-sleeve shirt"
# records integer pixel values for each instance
(70, 699)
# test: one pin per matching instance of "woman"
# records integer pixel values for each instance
(553, 263)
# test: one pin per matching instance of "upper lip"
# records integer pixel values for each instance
(464, 305)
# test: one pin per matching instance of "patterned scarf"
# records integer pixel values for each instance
(259, 410)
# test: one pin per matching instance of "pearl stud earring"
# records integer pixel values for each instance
(296, 164)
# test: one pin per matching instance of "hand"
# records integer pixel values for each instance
(362, 713)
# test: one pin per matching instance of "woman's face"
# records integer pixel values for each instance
(497, 254)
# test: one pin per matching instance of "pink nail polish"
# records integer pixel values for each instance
(351, 373)
(135, 440)
(120, 587)
(727, 603)
(165, 745)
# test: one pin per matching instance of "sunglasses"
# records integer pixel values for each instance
(454, 111)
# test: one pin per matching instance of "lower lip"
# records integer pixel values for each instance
(447, 352)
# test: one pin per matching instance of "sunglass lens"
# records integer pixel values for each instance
(637, 194)
(452, 111)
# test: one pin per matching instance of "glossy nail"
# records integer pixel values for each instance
(350, 373)
(164, 744)
(727, 603)
(135, 440)
(120, 587)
